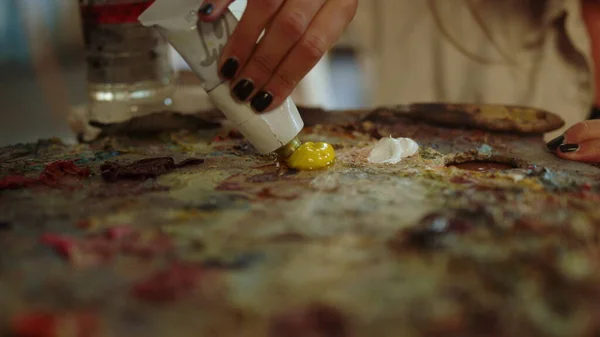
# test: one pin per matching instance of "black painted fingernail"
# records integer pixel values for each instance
(243, 89)
(566, 148)
(206, 9)
(555, 143)
(229, 68)
(261, 101)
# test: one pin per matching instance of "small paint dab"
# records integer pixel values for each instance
(176, 282)
(485, 150)
(312, 156)
(544, 175)
(392, 150)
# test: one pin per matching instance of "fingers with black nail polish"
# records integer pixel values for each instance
(261, 101)
(230, 68)
(568, 148)
(206, 9)
(243, 89)
(555, 143)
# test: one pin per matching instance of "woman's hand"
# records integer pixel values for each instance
(581, 142)
(298, 34)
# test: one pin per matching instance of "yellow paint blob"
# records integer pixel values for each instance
(312, 156)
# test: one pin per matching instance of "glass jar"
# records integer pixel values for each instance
(129, 70)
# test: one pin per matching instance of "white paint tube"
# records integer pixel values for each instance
(200, 45)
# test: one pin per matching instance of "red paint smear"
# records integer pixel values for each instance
(229, 186)
(114, 13)
(36, 324)
(57, 171)
(119, 232)
(16, 182)
(47, 324)
(63, 245)
(171, 284)
(267, 193)
(99, 248)
(52, 175)
(586, 195)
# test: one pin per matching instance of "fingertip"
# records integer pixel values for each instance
(588, 151)
(262, 102)
(568, 149)
(555, 143)
(566, 153)
(229, 68)
(211, 10)
(242, 90)
(577, 132)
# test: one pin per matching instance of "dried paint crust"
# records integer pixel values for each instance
(239, 245)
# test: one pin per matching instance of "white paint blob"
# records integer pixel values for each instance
(393, 150)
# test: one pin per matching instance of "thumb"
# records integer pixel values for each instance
(581, 142)
(588, 151)
(211, 10)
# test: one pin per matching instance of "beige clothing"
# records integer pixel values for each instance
(524, 52)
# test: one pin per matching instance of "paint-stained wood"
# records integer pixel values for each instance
(239, 245)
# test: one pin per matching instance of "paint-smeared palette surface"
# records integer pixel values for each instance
(191, 233)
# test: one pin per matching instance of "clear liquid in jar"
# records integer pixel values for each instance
(129, 70)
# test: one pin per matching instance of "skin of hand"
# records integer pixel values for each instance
(297, 34)
(581, 142)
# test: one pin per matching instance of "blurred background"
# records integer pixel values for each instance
(43, 72)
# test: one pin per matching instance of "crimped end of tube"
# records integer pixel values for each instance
(288, 149)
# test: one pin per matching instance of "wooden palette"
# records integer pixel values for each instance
(239, 245)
